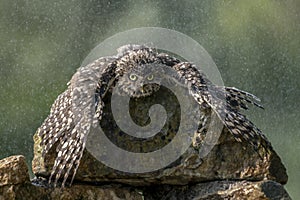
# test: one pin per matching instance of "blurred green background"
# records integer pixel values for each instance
(255, 44)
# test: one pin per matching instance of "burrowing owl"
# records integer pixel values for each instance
(140, 81)
(68, 125)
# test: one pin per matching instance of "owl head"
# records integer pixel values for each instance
(141, 81)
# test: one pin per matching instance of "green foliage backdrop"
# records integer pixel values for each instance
(255, 44)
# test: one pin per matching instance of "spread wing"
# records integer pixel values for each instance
(226, 102)
(72, 116)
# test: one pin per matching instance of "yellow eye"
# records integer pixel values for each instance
(150, 77)
(132, 77)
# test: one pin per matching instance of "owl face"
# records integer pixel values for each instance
(141, 81)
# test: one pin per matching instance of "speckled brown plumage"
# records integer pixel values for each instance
(67, 127)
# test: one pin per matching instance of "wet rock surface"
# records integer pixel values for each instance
(15, 184)
(221, 189)
(230, 170)
(13, 170)
(227, 159)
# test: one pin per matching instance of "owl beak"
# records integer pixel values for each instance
(142, 88)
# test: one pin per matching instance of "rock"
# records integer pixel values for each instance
(220, 164)
(15, 184)
(256, 175)
(13, 170)
(236, 190)
(228, 159)
(85, 192)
